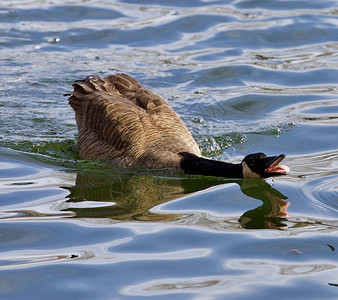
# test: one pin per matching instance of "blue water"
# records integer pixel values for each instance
(245, 76)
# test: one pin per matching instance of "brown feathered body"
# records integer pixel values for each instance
(121, 121)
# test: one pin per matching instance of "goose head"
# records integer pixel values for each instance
(258, 165)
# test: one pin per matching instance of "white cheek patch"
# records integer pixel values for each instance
(248, 173)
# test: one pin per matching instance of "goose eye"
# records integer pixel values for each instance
(251, 161)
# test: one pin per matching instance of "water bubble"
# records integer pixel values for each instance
(171, 98)
(198, 120)
(53, 40)
(198, 92)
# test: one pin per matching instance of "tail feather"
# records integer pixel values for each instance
(93, 87)
(119, 84)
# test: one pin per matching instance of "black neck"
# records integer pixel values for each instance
(193, 164)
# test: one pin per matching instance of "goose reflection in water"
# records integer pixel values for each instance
(131, 197)
(269, 215)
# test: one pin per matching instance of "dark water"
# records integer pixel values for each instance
(245, 76)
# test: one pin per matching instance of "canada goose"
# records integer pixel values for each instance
(121, 121)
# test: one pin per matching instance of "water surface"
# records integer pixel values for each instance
(245, 76)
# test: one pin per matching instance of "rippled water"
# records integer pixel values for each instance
(245, 76)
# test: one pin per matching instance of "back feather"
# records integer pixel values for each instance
(120, 120)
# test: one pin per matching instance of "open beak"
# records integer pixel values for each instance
(272, 166)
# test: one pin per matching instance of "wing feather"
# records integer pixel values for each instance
(120, 120)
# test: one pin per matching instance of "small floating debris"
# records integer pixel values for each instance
(331, 247)
(22, 183)
(262, 57)
(295, 251)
